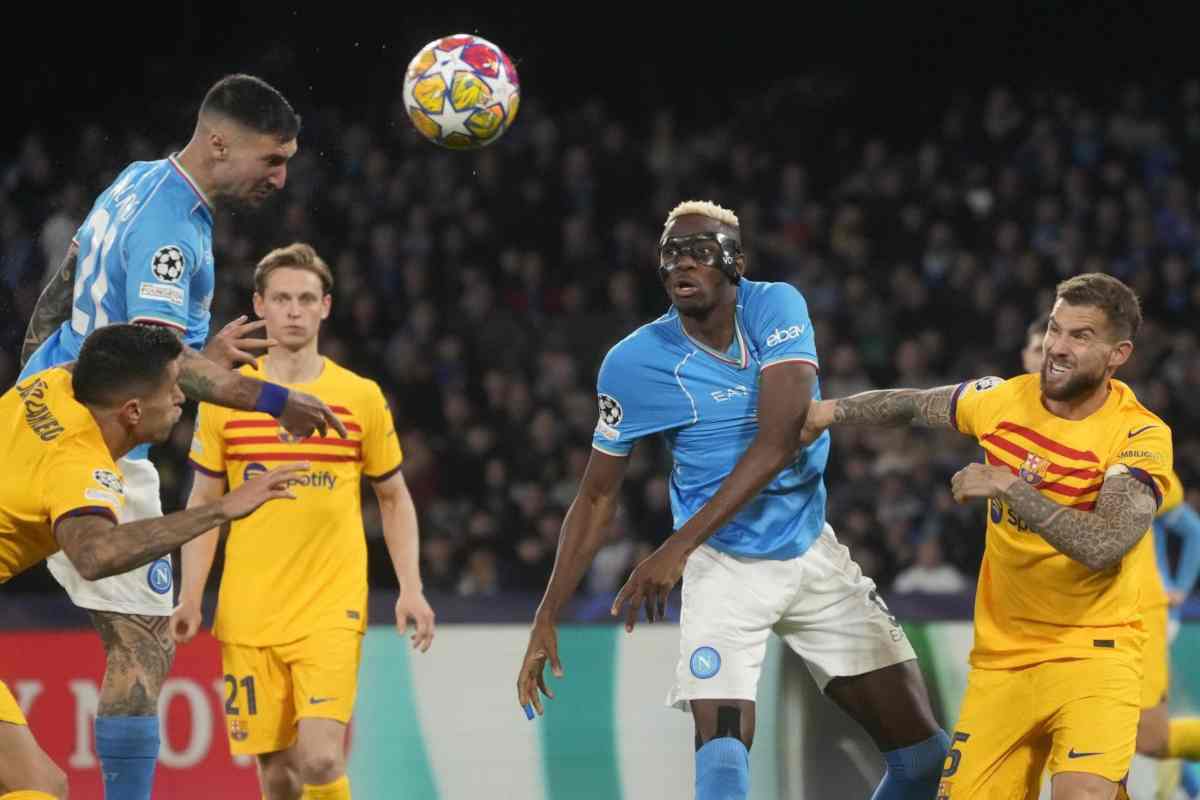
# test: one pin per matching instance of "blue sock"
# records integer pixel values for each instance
(1189, 779)
(913, 772)
(723, 770)
(128, 750)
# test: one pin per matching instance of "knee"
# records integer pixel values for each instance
(321, 767)
(727, 722)
(280, 782)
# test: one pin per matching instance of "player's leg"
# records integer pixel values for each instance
(859, 656)
(278, 776)
(729, 605)
(1093, 726)
(132, 614)
(26, 771)
(324, 670)
(260, 716)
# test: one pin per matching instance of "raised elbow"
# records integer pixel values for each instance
(87, 564)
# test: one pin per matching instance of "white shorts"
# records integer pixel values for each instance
(819, 603)
(145, 590)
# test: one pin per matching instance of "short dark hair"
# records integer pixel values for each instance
(252, 102)
(1118, 302)
(119, 361)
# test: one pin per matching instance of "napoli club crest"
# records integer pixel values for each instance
(159, 576)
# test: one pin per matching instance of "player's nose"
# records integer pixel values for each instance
(278, 178)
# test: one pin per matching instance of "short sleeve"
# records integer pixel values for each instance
(638, 398)
(82, 483)
(159, 261)
(967, 401)
(381, 451)
(1147, 452)
(779, 326)
(207, 454)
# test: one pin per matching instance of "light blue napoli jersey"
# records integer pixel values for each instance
(144, 255)
(705, 403)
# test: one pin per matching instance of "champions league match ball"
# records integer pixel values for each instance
(461, 92)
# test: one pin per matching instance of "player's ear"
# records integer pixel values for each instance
(1120, 354)
(131, 412)
(259, 305)
(218, 144)
(326, 305)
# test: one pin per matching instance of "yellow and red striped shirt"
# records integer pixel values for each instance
(1033, 603)
(298, 566)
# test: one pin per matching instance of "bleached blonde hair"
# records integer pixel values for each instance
(703, 208)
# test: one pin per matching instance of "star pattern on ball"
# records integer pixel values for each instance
(167, 263)
(448, 62)
(610, 410)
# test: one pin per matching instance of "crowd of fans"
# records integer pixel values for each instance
(482, 289)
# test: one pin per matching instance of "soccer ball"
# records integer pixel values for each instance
(461, 92)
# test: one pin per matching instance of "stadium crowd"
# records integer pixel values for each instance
(482, 289)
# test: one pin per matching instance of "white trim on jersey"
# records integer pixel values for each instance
(608, 452)
(679, 366)
(799, 359)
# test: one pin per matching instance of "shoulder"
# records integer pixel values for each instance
(756, 295)
(650, 345)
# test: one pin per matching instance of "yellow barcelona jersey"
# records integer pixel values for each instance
(56, 465)
(1033, 603)
(300, 566)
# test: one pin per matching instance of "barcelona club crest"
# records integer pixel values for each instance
(1033, 471)
(237, 730)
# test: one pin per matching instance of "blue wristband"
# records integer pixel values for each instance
(272, 399)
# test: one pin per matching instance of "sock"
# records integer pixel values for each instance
(337, 790)
(27, 794)
(913, 772)
(1183, 738)
(128, 750)
(1189, 779)
(723, 770)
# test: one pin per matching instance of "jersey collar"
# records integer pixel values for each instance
(740, 360)
(183, 173)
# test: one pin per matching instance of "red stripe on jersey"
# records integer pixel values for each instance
(1088, 506)
(1057, 488)
(341, 410)
(270, 423)
(1050, 444)
(289, 457)
(1082, 474)
(339, 442)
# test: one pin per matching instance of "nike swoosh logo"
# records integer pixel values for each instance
(318, 700)
(1142, 429)
(1073, 754)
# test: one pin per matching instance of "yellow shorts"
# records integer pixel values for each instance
(10, 711)
(1156, 657)
(1079, 715)
(269, 689)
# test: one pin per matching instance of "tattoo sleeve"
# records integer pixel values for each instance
(927, 407)
(138, 650)
(207, 381)
(53, 305)
(1097, 539)
(98, 549)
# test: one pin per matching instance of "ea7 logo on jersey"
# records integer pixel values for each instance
(785, 335)
(728, 394)
(109, 480)
(167, 263)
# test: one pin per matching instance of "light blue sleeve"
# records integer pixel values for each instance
(160, 255)
(639, 395)
(779, 326)
(1184, 522)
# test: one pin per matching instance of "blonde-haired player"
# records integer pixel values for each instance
(62, 432)
(1076, 469)
(291, 628)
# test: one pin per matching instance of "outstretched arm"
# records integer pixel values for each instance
(927, 407)
(53, 305)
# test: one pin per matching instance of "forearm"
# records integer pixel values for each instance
(926, 407)
(53, 306)
(400, 534)
(1097, 539)
(196, 564)
(205, 380)
(581, 538)
(130, 545)
(757, 467)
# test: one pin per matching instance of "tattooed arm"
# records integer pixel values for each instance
(926, 407)
(1097, 539)
(53, 305)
